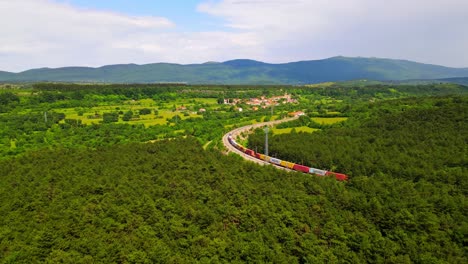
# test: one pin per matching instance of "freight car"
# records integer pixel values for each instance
(287, 164)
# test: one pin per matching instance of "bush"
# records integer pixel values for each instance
(145, 111)
(110, 117)
(127, 116)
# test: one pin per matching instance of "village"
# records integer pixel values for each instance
(262, 102)
(250, 104)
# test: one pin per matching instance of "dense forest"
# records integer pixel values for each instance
(407, 161)
(143, 203)
(118, 191)
(410, 138)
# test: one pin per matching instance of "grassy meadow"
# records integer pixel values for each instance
(288, 130)
(329, 120)
(165, 111)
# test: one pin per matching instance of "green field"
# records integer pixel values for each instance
(135, 106)
(304, 128)
(329, 120)
(278, 131)
(93, 115)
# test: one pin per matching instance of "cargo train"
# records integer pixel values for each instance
(286, 164)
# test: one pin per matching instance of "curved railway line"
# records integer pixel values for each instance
(232, 146)
(234, 133)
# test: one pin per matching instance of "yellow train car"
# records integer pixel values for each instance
(260, 156)
(287, 164)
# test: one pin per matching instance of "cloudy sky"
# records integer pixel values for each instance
(56, 33)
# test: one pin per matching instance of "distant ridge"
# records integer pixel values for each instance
(6, 75)
(245, 71)
(459, 80)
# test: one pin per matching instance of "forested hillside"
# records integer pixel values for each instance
(407, 160)
(411, 138)
(136, 174)
(244, 71)
(143, 203)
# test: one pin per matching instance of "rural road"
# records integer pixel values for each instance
(234, 133)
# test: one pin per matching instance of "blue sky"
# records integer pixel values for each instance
(57, 33)
(184, 12)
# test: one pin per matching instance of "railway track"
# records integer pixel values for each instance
(246, 129)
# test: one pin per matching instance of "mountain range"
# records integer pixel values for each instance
(244, 71)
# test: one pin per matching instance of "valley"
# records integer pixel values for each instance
(139, 174)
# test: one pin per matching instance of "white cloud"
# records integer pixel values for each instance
(431, 31)
(45, 33)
